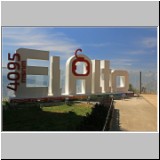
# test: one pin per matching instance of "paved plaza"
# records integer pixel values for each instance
(135, 114)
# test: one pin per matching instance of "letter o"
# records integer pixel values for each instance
(17, 76)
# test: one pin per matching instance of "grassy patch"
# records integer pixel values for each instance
(78, 109)
(56, 118)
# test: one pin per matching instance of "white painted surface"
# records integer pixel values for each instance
(54, 77)
(32, 92)
(105, 76)
(96, 88)
(124, 81)
(99, 80)
(70, 83)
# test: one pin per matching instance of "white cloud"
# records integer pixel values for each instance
(97, 44)
(149, 42)
(36, 38)
(136, 52)
(122, 62)
(145, 51)
(121, 65)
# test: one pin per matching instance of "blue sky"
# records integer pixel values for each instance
(132, 49)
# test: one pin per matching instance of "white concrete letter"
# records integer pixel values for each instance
(96, 89)
(70, 83)
(31, 92)
(105, 76)
(123, 81)
(54, 79)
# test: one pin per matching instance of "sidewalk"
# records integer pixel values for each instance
(134, 114)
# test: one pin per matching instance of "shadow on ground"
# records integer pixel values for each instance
(38, 120)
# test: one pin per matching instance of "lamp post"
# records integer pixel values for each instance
(140, 81)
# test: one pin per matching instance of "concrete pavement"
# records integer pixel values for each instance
(151, 98)
(134, 114)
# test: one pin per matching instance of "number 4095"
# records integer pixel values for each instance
(13, 66)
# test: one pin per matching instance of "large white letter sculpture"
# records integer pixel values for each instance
(54, 77)
(105, 76)
(124, 83)
(31, 92)
(97, 76)
(72, 75)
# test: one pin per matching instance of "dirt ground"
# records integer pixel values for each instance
(135, 114)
